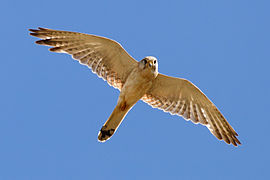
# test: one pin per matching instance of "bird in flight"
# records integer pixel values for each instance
(137, 81)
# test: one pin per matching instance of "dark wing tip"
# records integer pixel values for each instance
(237, 141)
(234, 141)
(33, 30)
(43, 29)
(34, 34)
(36, 31)
(41, 42)
(56, 49)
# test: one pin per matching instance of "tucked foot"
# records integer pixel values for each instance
(105, 134)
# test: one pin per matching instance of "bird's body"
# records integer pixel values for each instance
(137, 80)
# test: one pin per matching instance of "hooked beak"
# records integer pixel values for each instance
(154, 68)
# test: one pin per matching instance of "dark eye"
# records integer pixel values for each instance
(155, 61)
(144, 61)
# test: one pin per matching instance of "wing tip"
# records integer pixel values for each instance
(56, 49)
(230, 138)
(38, 29)
(237, 142)
(43, 29)
(233, 140)
(38, 32)
(41, 42)
(33, 34)
(33, 30)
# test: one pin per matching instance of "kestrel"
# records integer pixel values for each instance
(137, 80)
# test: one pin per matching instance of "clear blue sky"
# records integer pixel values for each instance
(52, 107)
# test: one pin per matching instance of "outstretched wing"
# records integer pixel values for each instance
(103, 56)
(181, 97)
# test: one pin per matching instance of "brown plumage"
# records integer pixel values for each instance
(137, 80)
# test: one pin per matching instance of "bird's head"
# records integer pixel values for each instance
(149, 63)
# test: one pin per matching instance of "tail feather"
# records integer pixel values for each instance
(111, 125)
